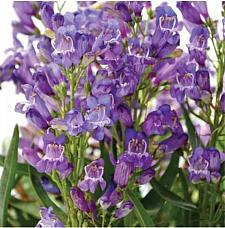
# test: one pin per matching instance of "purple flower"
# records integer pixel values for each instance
(36, 118)
(25, 11)
(48, 186)
(136, 7)
(166, 18)
(46, 13)
(125, 208)
(136, 152)
(135, 156)
(72, 123)
(102, 84)
(48, 219)
(204, 164)
(53, 74)
(126, 83)
(42, 83)
(158, 122)
(186, 84)
(93, 175)
(146, 176)
(78, 198)
(203, 80)
(53, 157)
(123, 113)
(57, 21)
(173, 143)
(45, 48)
(70, 46)
(122, 172)
(222, 102)
(189, 12)
(123, 11)
(95, 121)
(111, 196)
(198, 44)
(201, 7)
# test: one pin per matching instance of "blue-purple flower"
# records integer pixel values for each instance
(135, 156)
(125, 208)
(198, 44)
(185, 84)
(93, 176)
(166, 18)
(222, 102)
(48, 186)
(48, 218)
(158, 122)
(111, 196)
(70, 46)
(73, 123)
(78, 198)
(96, 120)
(204, 164)
(53, 157)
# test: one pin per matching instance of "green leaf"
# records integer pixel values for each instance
(130, 220)
(22, 169)
(153, 201)
(8, 176)
(193, 136)
(109, 169)
(184, 185)
(43, 196)
(171, 197)
(31, 208)
(142, 215)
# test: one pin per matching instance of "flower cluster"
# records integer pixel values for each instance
(104, 78)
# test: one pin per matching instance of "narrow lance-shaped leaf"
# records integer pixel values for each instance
(171, 197)
(43, 196)
(153, 201)
(192, 134)
(22, 169)
(8, 176)
(142, 215)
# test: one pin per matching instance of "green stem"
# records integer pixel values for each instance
(72, 90)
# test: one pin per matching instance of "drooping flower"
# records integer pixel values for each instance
(166, 18)
(165, 38)
(222, 102)
(79, 199)
(174, 142)
(198, 44)
(123, 113)
(125, 208)
(53, 158)
(158, 122)
(93, 176)
(135, 156)
(186, 84)
(123, 11)
(96, 120)
(70, 45)
(48, 218)
(191, 83)
(204, 164)
(122, 172)
(48, 186)
(146, 176)
(190, 14)
(111, 196)
(46, 13)
(73, 123)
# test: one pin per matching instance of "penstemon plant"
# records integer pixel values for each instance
(114, 101)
